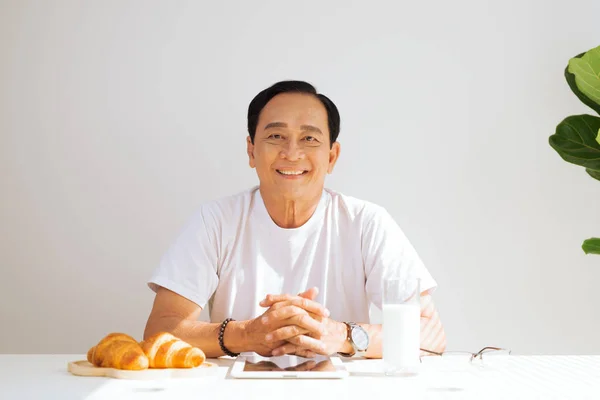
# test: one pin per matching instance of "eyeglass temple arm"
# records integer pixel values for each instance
(486, 348)
(431, 352)
(474, 355)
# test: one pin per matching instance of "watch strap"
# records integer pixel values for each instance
(349, 339)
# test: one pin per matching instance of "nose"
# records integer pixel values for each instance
(291, 151)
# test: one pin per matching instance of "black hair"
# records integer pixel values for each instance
(261, 100)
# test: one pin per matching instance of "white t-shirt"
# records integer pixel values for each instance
(231, 255)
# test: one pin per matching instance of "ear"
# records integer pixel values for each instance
(334, 154)
(250, 151)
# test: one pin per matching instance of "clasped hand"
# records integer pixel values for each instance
(296, 325)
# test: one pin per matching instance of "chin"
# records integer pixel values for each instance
(293, 194)
(290, 193)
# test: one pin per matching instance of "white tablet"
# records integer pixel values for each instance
(251, 365)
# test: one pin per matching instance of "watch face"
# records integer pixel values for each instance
(360, 337)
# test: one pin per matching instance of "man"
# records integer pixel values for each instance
(287, 267)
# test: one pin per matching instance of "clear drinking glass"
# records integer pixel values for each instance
(401, 325)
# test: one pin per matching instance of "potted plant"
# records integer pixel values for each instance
(577, 137)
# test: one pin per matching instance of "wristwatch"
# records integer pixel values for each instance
(358, 338)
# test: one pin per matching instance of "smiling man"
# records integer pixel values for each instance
(289, 266)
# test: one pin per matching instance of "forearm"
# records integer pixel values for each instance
(432, 335)
(432, 338)
(375, 337)
(203, 335)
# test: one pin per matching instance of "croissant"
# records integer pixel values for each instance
(166, 351)
(118, 350)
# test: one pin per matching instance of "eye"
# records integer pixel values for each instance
(310, 139)
(275, 136)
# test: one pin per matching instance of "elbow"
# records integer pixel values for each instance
(176, 326)
(155, 325)
(147, 333)
(150, 329)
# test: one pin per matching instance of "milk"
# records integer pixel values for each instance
(401, 335)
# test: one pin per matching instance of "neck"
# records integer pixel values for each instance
(290, 213)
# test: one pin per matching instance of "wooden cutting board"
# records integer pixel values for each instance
(84, 368)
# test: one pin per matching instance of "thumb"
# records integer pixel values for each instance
(310, 294)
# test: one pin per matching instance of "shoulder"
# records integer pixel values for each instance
(353, 206)
(373, 221)
(230, 203)
(223, 209)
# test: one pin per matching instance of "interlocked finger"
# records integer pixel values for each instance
(282, 300)
(309, 343)
(286, 333)
(302, 321)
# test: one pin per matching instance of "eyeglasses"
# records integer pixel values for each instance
(486, 356)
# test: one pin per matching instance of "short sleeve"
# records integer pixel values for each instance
(189, 266)
(386, 251)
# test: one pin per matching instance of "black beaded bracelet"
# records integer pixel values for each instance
(221, 332)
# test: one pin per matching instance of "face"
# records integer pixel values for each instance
(291, 150)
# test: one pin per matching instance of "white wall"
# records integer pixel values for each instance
(117, 118)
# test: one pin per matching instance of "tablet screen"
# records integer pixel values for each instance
(289, 363)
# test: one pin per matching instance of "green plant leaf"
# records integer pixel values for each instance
(591, 246)
(593, 174)
(575, 141)
(579, 74)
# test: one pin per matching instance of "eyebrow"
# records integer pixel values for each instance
(309, 128)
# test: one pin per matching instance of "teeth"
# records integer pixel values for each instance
(291, 172)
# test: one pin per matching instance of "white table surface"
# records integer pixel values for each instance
(521, 377)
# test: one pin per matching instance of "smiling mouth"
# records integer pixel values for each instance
(291, 173)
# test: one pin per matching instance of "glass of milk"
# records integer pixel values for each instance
(401, 325)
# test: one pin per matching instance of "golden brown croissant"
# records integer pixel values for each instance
(118, 350)
(166, 351)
